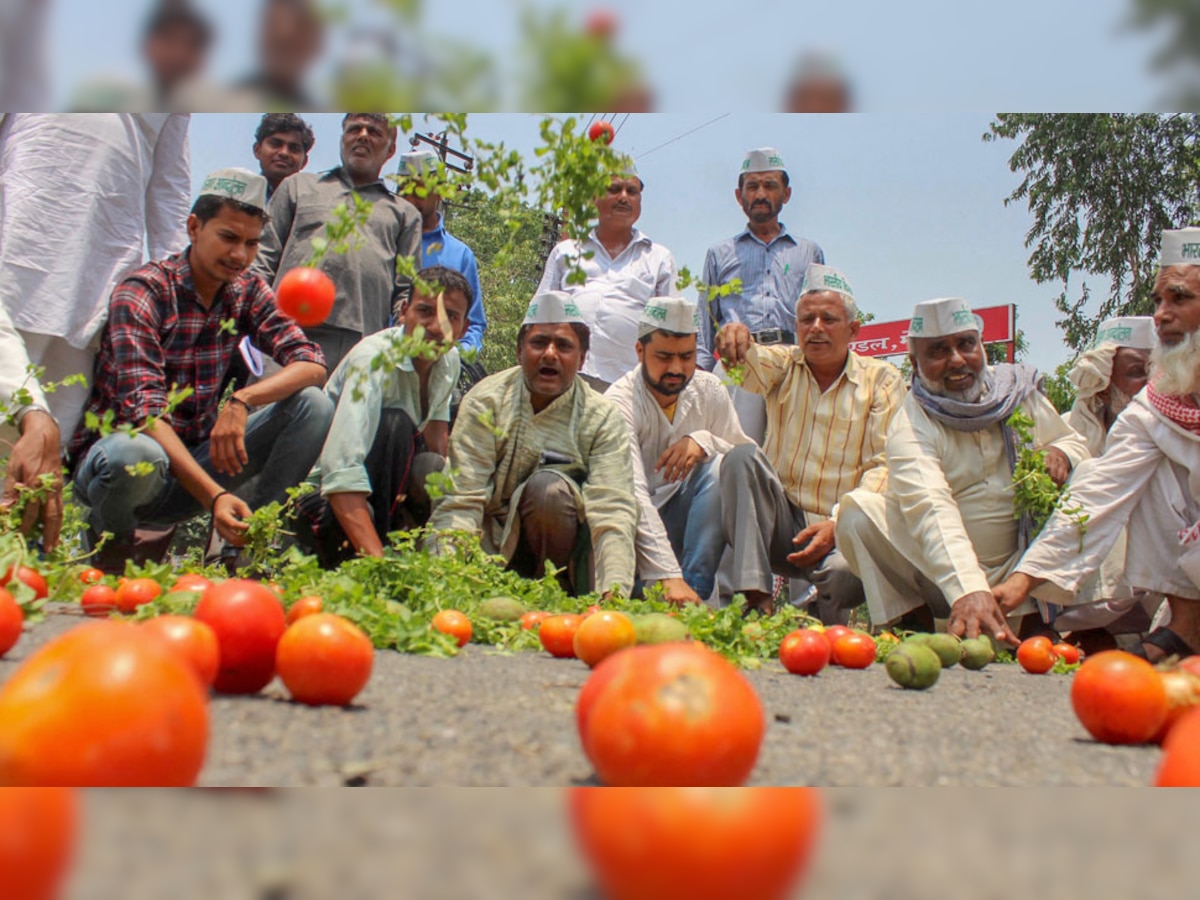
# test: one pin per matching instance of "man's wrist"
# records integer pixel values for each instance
(235, 400)
(21, 416)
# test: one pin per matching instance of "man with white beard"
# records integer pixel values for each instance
(1107, 377)
(943, 532)
(1148, 478)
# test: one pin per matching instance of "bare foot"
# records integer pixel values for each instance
(760, 601)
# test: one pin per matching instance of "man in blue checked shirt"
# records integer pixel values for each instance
(438, 246)
(769, 261)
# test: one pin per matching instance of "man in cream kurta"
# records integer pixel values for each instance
(536, 454)
(944, 531)
(1107, 377)
(680, 422)
(1149, 476)
(828, 411)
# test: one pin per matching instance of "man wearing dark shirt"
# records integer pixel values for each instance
(282, 143)
(173, 326)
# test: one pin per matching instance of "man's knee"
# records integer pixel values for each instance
(126, 461)
(312, 406)
(548, 497)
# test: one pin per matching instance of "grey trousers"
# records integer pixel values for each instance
(760, 522)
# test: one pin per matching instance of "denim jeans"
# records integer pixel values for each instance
(692, 518)
(282, 439)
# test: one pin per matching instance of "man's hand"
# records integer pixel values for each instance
(227, 444)
(978, 613)
(678, 460)
(819, 540)
(1058, 466)
(36, 453)
(733, 340)
(437, 437)
(1014, 590)
(677, 591)
(229, 518)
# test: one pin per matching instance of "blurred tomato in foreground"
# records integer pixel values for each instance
(696, 843)
(37, 837)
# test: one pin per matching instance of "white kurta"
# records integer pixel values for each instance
(614, 295)
(13, 376)
(947, 512)
(704, 413)
(1148, 479)
(81, 195)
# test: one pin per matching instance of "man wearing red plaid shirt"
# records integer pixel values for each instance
(175, 325)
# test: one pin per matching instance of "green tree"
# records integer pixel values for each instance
(506, 242)
(1101, 189)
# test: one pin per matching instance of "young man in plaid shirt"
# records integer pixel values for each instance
(176, 324)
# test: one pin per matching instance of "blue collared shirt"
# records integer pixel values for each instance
(772, 275)
(440, 248)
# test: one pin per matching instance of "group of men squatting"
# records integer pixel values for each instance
(871, 491)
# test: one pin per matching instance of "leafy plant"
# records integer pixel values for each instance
(1034, 491)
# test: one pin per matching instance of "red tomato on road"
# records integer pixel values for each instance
(38, 828)
(854, 650)
(29, 576)
(804, 652)
(249, 621)
(12, 620)
(99, 600)
(659, 843)
(324, 659)
(1036, 655)
(306, 295)
(455, 624)
(1119, 698)
(192, 640)
(1068, 653)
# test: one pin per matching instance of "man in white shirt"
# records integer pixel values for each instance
(944, 531)
(624, 272)
(80, 197)
(1148, 478)
(680, 423)
(28, 428)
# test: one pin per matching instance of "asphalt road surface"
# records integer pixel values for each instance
(508, 720)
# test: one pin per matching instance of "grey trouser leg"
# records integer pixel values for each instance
(549, 525)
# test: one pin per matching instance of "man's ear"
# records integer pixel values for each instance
(854, 327)
(193, 227)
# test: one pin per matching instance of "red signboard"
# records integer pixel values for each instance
(891, 338)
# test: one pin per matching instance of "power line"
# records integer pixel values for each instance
(682, 136)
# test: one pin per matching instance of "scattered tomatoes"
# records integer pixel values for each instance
(854, 650)
(305, 606)
(192, 640)
(672, 714)
(29, 576)
(1036, 655)
(191, 582)
(1119, 698)
(601, 130)
(1183, 692)
(91, 576)
(832, 633)
(1068, 653)
(455, 624)
(306, 295)
(603, 634)
(804, 652)
(249, 621)
(12, 620)
(134, 592)
(104, 705)
(324, 659)
(557, 634)
(654, 843)
(99, 600)
(533, 619)
(38, 828)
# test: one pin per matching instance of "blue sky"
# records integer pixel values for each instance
(909, 206)
(926, 55)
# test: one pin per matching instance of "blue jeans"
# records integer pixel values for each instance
(282, 439)
(692, 518)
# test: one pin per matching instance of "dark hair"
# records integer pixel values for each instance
(174, 13)
(742, 178)
(277, 123)
(582, 333)
(208, 205)
(447, 280)
(645, 339)
(379, 119)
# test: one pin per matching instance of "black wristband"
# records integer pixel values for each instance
(242, 403)
(212, 507)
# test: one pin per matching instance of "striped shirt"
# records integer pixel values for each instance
(771, 275)
(823, 445)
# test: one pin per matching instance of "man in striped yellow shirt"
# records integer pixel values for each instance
(828, 411)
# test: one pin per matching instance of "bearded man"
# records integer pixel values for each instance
(1107, 377)
(681, 422)
(1148, 478)
(943, 532)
